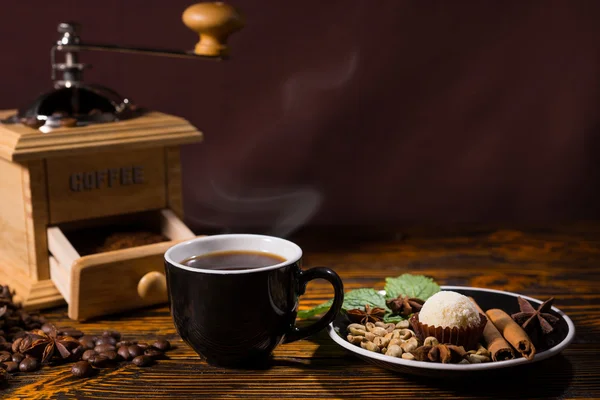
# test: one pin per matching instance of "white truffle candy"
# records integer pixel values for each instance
(449, 309)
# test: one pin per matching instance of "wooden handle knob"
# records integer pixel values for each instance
(153, 286)
(214, 22)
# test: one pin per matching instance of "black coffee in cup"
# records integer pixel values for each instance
(234, 298)
(233, 260)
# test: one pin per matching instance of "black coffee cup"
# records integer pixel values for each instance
(237, 317)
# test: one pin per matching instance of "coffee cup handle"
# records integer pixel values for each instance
(338, 298)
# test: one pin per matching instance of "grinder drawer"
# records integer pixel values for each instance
(112, 281)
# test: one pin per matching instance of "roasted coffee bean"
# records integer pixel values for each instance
(20, 334)
(5, 356)
(11, 366)
(77, 352)
(142, 361)
(154, 353)
(114, 334)
(99, 361)
(87, 354)
(87, 342)
(18, 357)
(82, 369)
(16, 344)
(143, 345)
(89, 337)
(106, 340)
(125, 343)
(162, 345)
(111, 355)
(47, 328)
(74, 333)
(104, 347)
(135, 350)
(29, 364)
(124, 353)
(15, 330)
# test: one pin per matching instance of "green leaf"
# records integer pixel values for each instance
(353, 299)
(320, 309)
(418, 286)
(392, 318)
(359, 297)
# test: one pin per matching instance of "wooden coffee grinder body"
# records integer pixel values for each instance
(89, 177)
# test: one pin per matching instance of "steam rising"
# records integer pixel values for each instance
(281, 210)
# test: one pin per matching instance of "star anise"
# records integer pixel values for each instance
(404, 305)
(444, 353)
(369, 314)
(44, 346)
(531, 319)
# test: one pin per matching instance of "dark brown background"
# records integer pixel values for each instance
(355, 112)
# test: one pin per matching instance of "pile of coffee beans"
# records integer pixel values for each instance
(27, 341)
(108, 350)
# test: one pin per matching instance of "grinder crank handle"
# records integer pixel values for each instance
(214, 22)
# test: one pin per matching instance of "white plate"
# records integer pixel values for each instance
(486, 298)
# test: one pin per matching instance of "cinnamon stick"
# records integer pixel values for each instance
(499, 348)
(512, 332)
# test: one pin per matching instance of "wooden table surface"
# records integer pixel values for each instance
(561, 261)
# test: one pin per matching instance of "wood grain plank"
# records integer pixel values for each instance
(174, 190)
(13, 220)
(35, 198)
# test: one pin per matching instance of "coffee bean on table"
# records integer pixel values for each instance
(29, 364)
(135, 350)
(19, 334)
(99, 361)
(114, 334)
(162, 345)
(74, 333)
(142, 361)
(153, 353)
(104, 347)
(16, 344)
(123, 352)
(125, 343)
(77, 352)
(47, 328)
(89, 337)
(143, 345)
(15, 330)
(87, 342)
(5, 356)
(11, 366)
(87, 354)
(18, 357)
(82, 369)
(111, 355)
(106, 340)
